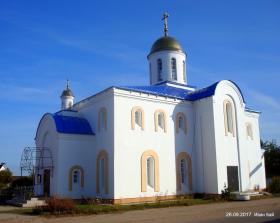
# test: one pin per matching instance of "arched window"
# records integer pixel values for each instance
(159, 69)
(102, 172)
(76, 176)
(181, 123)
(173, 69)
(229, 118)
(160, 120)
(184, 71)
(249, 130)
(151, 172)
(102, 119)
(183, 171)
(137, 118)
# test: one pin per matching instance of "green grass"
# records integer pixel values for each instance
(22, 211)
(101, 209)
(87, 209)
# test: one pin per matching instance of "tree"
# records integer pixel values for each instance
(6, 178)
(22, 182)
(272, 158)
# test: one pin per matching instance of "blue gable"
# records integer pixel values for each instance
(202, 93)
(72, 125)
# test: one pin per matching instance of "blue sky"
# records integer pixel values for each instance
(97, 44)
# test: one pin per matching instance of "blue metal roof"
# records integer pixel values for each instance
(162, 90)
(72, 125)
(175, 92)
(203, 93)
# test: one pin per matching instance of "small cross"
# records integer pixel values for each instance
(67, 86)
(165, 17)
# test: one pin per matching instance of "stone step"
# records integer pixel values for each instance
(33, 202)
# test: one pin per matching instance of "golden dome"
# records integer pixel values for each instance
(166, 43)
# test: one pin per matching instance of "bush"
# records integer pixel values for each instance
(274, 186)
(6, 177)
(56, 205)
(25, 181)
(5, 194)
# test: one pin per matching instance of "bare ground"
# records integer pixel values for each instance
(215, 212)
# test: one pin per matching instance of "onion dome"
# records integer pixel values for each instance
(67, 91)
(166, 43)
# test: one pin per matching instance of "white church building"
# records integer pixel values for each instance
(142, 143)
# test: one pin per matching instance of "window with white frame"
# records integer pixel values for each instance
(184, 71)
(102, 174)
(76, 176)
(151, 172)
(249, 130)
(159, 70)
(181, 123)
(161, 120)
(173, 69)
(229, 117)
(183, 171)
(138, 118)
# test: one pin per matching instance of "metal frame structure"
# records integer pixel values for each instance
(34, 159)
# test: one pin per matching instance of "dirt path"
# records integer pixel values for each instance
(200, 213)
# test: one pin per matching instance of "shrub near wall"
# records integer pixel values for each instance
(55, 205)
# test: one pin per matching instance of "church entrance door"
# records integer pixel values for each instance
(232, 175)
(47, 182)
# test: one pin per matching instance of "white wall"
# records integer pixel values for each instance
(131, 144)
(256, 165)
(76, 150)
(234, 150)
(47, 137)
(205, 147)
(104, 140)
